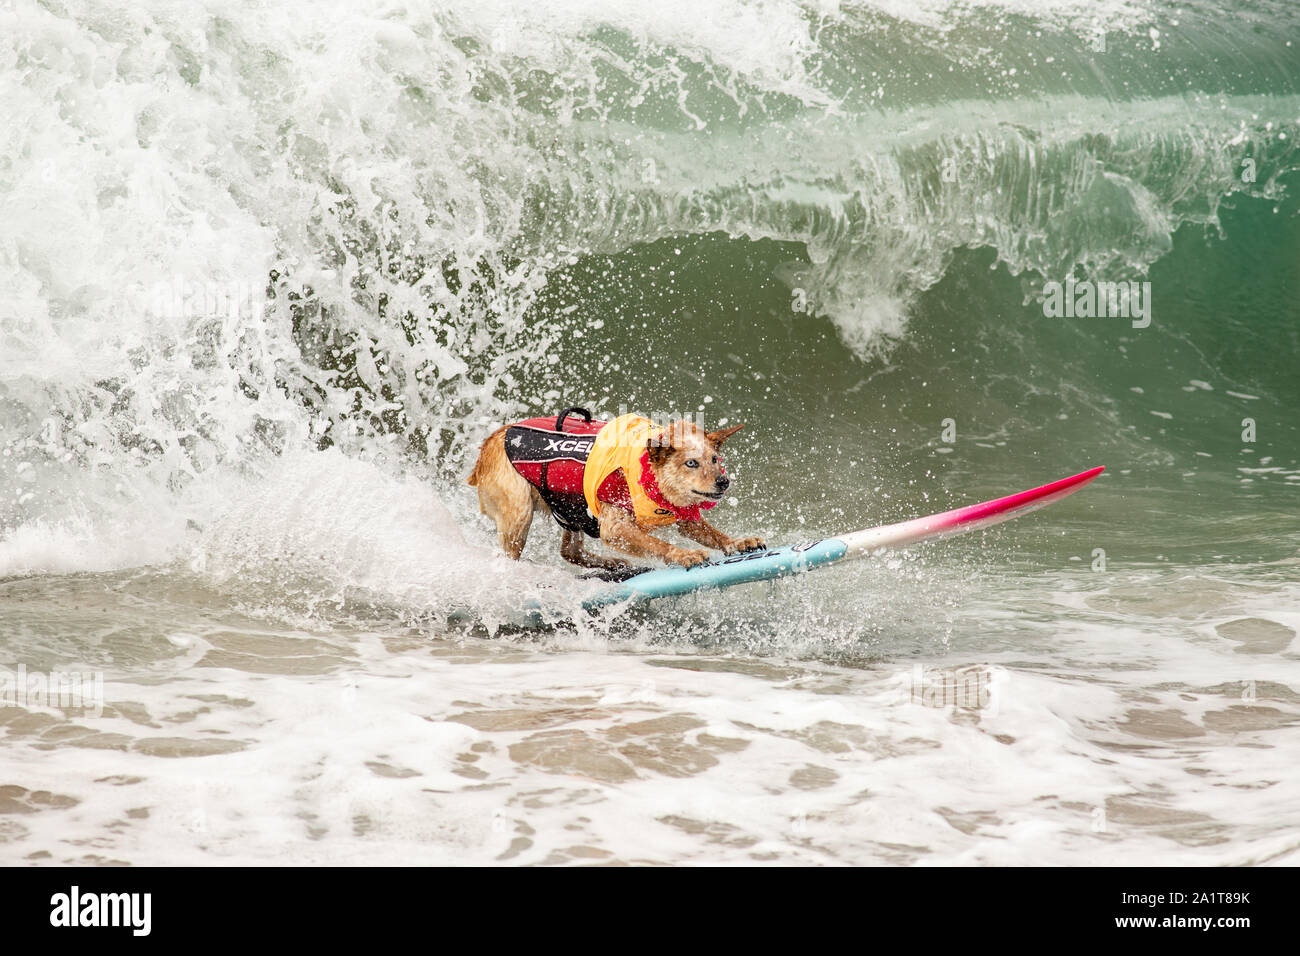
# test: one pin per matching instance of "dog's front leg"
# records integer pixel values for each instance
(711, 537)
(620, 531)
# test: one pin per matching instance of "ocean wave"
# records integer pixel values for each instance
(228, 235)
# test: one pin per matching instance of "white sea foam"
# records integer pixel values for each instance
(479, 751)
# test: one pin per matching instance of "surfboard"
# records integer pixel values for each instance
(800, 558)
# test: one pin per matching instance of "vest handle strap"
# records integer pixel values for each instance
(559, 419)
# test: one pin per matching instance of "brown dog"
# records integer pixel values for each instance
(616, 481)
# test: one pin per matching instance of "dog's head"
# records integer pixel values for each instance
(687, 463)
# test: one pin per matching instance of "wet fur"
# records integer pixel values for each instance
(510, 501)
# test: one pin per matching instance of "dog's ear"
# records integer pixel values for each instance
(660, 448)
(723, 434)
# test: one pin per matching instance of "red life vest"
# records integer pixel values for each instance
(554, 461)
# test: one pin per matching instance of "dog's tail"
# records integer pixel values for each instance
(480, 466)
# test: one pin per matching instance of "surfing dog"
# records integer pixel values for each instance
(616, 481)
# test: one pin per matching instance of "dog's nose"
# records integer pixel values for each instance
(723, 482)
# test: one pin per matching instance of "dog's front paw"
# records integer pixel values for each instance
(741, 545)
(688, 557)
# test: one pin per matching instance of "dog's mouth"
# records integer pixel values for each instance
(714, 495)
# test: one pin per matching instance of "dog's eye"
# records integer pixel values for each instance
(692, 463)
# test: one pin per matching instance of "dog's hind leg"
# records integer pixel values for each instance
(504, 495)
(515, 519)
(571, 550)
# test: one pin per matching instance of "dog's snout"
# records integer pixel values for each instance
(723, 482)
